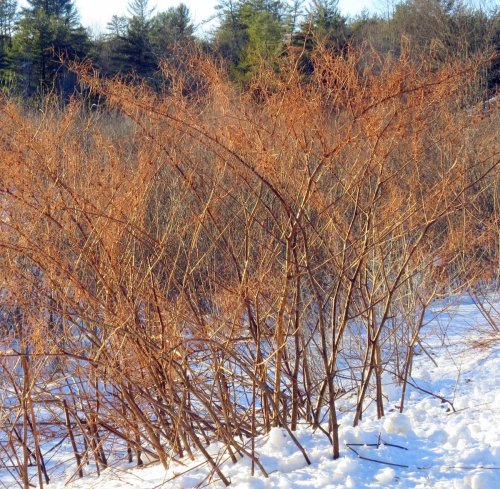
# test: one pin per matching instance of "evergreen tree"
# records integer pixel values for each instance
(135, 50)
(117, 26)
(250, 30)
(7, 18)
(136, 44)
(328, 24)
(47, 29)
(293, 19)
(171, 27)
(231, 35)
(107, 52)
(62, 9)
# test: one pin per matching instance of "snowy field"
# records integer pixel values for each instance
(448, 436)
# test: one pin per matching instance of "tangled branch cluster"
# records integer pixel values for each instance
(204, 265)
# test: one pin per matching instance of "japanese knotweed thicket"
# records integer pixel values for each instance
(207, 263)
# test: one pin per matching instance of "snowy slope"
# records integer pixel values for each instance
(448, 439)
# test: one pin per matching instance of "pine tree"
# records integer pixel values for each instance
(7, 18)
(328, 24)
(250, 30)
(62, 9)
(117, 26)
(171, 27)
(47, 30)
(137, 43)
(107, 51)
(134, 50)
(231, 35)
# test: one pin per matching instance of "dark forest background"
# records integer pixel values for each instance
(36, 41)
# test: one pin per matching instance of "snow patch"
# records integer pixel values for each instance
(433, 446)
(385, 475)
(398, 423)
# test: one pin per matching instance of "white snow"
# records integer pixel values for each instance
(398, 423)
(386, 475)
(433, 444)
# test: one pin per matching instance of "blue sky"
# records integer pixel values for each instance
(96, 13)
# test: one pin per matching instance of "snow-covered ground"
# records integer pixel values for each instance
(448, 436)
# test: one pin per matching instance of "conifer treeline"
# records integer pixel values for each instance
(33, 39)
